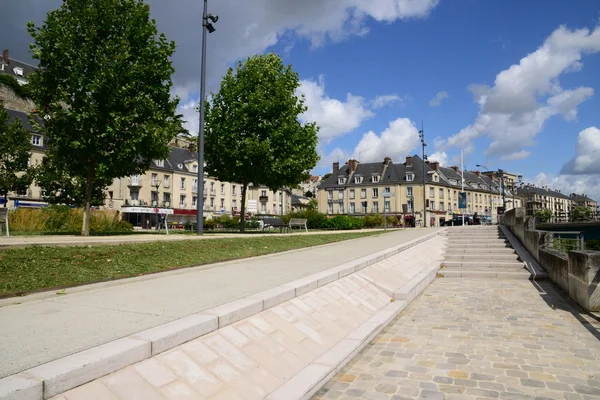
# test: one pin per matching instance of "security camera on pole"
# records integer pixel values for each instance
(206, 26)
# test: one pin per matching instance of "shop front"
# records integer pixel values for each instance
(146, 217)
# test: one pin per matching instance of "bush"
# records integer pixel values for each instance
(592, 245)
(373, 220)
(392, 220)
(20, 90)
(63, 219)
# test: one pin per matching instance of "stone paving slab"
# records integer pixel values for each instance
(479, 339)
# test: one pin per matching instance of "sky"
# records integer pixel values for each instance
(512, 83)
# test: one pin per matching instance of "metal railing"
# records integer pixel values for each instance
(564, 241)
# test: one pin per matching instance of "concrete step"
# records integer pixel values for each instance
(484, 274)
(473, 246)
(469, 235)
(478, 250)
(481, 256)
(479, 241)
(500, 264)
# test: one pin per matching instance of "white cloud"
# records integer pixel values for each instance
(439, 156)
(587, 156)
(438, 98)
(526, 95)
(517, 155)
(190, 116)
(396, 141)
(385, 100)
(567, 184)
(334, 117)
(327, 160)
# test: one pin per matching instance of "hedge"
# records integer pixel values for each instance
(316, 220)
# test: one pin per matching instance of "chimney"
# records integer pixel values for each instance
(387, 160)
(455, 168)
(353, 164)
(336, 166)
(434, 165)
(5, 56)
(408, 161)
(478, 173)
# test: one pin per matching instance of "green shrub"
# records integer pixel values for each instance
(592, 244)
(20, 90)
(392, 220)
(373, 220)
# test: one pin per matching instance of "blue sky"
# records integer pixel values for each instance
(517, 80)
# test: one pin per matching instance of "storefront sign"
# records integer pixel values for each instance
(147, 210)
(336, 188)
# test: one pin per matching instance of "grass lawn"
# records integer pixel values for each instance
(27, 269)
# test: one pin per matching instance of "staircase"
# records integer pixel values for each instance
(481, 252)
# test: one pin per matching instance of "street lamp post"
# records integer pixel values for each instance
(206, 27)
(491, 187)
(423, 144)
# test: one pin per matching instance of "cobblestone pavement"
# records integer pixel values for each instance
(479, 339)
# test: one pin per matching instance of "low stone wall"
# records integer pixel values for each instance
(577, 273)
(584, 267)
(556, 265)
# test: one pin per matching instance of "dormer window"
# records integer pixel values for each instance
(358, 179)
(18, 71)
(159, 163)
(453, 182)
(436, 178)
(36, 140)
(180, 166)
(375, 178)
(341, 181)
(410, 177)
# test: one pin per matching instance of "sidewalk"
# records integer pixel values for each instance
(71, 240)
(52, 326)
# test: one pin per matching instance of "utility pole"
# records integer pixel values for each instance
(207, 27)
(462, 180)
(423, 144)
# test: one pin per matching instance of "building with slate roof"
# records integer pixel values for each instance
(169, 185)
(582, 200)
(359, 188)
(15, 68)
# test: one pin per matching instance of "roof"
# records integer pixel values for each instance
(313, 179)
(581, 197)
(15, 66)
(525, 190)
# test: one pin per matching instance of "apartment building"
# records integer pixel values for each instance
(363, 188)
(582, 200)
(15, 68)
(542, 198)
(169, 187)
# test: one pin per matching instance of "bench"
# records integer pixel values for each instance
(300, 223)
(273, 223)
(4, 220)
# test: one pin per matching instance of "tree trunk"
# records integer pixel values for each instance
(243, 209)
(85, 228)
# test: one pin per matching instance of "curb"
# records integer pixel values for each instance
(58, 376)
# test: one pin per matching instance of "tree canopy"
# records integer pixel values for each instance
(103, 89)
(15, 150)
(253, 134)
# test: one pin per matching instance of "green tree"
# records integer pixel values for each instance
(543, 215)
(15, 150)
(253, 134)
(581, 213)
(327, 175)
(313, 205)
(103, 89)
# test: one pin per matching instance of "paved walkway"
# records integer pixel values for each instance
(71, 240)
(479, 339)
(51, 326)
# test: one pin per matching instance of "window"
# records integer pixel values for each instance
(263, 207)
(352, 208)
(410, 177)
(387, 190)
(233, 189)
(195, 185)
(222, 189)
(36, 140)
(351, 196)
(159, 163)
(154, 179)
(375, 193)
(234, 203)
(341, 195)
(330, 195)
(264, 193)
(18, 71)
(441, 206)
(135, 180)
(341, 208)
(386, 205)
(212, 203)
(455, 195)
(182, 201)
(223, 203)
(194, 201)
(358, 179)
(375, 178)
(409, 191)
(341, 181)
(330, 208)
(436, 178)
(375, 206)
(441, 193)
(182, 183)
(363, 207)
(432, 205)
(167, 199)
(363, 193)
(166, 182)
(409, 206)
(195, 167)
(431, 192)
